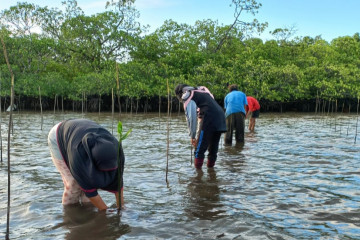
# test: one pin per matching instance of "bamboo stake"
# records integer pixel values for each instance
(357, 120)
(159, 108)
(347, 131)
(41, 112)
(10, 124)
(168, 131)
(118, 88)
(316, 101)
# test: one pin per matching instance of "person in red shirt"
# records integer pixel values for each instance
(253, 107)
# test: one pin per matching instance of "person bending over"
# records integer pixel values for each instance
(253, 108)
(234, 104)
(86, 155)
(205, 119)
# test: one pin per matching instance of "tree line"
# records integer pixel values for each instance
(69, 55)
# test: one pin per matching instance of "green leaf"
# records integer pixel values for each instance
(126, 135)
(120, 128)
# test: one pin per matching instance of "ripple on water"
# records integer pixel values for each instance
(296, 177)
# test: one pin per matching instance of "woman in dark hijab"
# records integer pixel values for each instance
(206, 121)
(86, 155)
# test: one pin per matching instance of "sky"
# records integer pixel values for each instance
(326, 18)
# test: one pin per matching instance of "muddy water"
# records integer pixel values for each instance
(296, 177)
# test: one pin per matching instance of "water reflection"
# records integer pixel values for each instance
(288, 181)
(85, 222)
(204, 196)
(234, 158)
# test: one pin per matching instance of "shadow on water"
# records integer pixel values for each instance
(204, 196)
(86, 223)
(233, 157)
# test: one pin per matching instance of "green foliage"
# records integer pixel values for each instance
(76, 54)
(120, 132)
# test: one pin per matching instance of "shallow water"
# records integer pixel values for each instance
(296, 177)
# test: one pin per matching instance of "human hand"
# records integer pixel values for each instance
(193, 142)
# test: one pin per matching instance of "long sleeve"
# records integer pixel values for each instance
(191, 117)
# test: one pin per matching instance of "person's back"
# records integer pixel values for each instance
(86, 155)
(253, 108)
(210, 110)
(206, 129)
(90, 151)
(235, 102)
(253, 104)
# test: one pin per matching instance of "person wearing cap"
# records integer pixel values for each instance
(86, 155)
(252, 108)
(234, 104)
(205, 119)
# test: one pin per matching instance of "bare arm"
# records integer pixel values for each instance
(247, 110)
(247, 114)
(98, 202)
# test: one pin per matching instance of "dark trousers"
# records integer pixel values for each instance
(208, 140)
(235, 121)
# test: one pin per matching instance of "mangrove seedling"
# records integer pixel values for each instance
(120, 170)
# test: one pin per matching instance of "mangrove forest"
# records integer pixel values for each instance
(72, 60)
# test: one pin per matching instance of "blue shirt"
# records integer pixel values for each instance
(234, 102)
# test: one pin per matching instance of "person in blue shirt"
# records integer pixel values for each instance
(234, 104)
(206, 121)
(86, 155)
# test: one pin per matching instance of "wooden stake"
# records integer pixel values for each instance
(357, 120)
(168, 131)
(41, 112)
(8, 144)
(118, 88)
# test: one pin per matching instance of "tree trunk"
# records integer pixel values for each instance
(99, 103)
(82, 104)
(131, 105)
(137, 105)
(55, 103)
(112, 110)
(126, 104)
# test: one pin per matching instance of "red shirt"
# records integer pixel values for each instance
(253, 104)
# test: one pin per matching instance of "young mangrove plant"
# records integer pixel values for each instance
(120, 166)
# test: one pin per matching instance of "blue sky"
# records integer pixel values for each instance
(328, 18)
